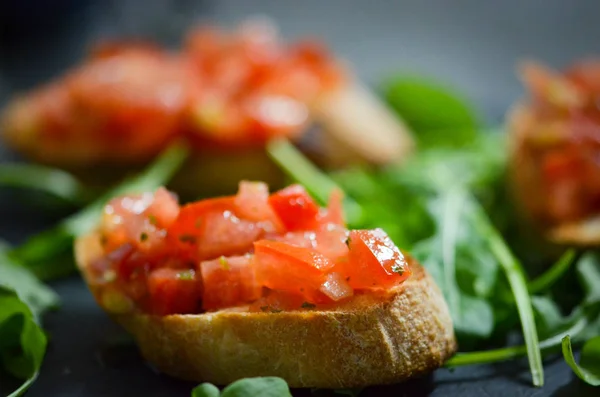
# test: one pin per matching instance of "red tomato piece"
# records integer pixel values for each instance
(174, 291)
(252, 203)
(285, 267)
(329, 241)
(189, 226)
(374, 261)
(336, 287)
(296, 209)
(226, 234)
(276, 301)
(229, 282)
(335, 209)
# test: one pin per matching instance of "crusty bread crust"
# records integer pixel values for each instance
(376, 338)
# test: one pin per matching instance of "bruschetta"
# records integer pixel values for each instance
(257, 284)
(555, 141)
(225, 93)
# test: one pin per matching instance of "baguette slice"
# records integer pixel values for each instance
(372, 339)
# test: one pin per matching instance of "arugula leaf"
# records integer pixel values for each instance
(268, 386)
(588, 368)
(472, 315)
(45, 179)
(22, 342)
(30, 290)
(206, 390)
(52, 245)
(438, 116)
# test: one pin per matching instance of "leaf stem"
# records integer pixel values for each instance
(518, 284)
(507, 353)
(312, 178)
(549, 277)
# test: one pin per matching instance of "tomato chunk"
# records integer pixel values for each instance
(284, 267)
(229, 282)
(174, 291)
(374, 261)
(296, 209)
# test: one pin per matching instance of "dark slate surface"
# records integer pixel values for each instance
(471, 44)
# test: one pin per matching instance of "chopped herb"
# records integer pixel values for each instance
(187, 238)
(186, 275)
(198, 223)
(143, 236)
(276, 310)
(264, 308)
(308, 305)
(223, 262)
(348, 242)
(348, 278)
(152, 219)
(398, 268)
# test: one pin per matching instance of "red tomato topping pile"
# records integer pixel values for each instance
(223, 89)
(558, 143)
(277, 252)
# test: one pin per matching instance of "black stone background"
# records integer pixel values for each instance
(470, 44)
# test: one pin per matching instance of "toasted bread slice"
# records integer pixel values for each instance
(375, 338)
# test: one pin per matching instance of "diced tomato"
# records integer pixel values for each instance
(174, 291)
(226, 234)
(190, 224)
(296, 209)
(281, 266)
(335, 287)
(252, 203)
(276, 301)
(335, 209)
(374, 261)
(561, 165)
(329, 241)
(229, 282)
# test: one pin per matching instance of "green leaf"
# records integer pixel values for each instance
(206, 390)
(438, 116)
(30, 290)
(45, 179)
(588, 368)
(39, 251)
(22, 342)
(258, 387)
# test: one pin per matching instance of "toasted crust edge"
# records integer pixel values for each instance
(372, 339)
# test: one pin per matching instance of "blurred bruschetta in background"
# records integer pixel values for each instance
(225, 92)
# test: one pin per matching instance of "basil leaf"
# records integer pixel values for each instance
(54, 244)
(258, 387)
(22, 342)
(206, 390)
(438, 116)
(588, 368)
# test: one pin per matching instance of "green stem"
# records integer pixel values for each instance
(508, 353)
(312, 178)
(518, 284)
(553, 274)
(49, 180)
